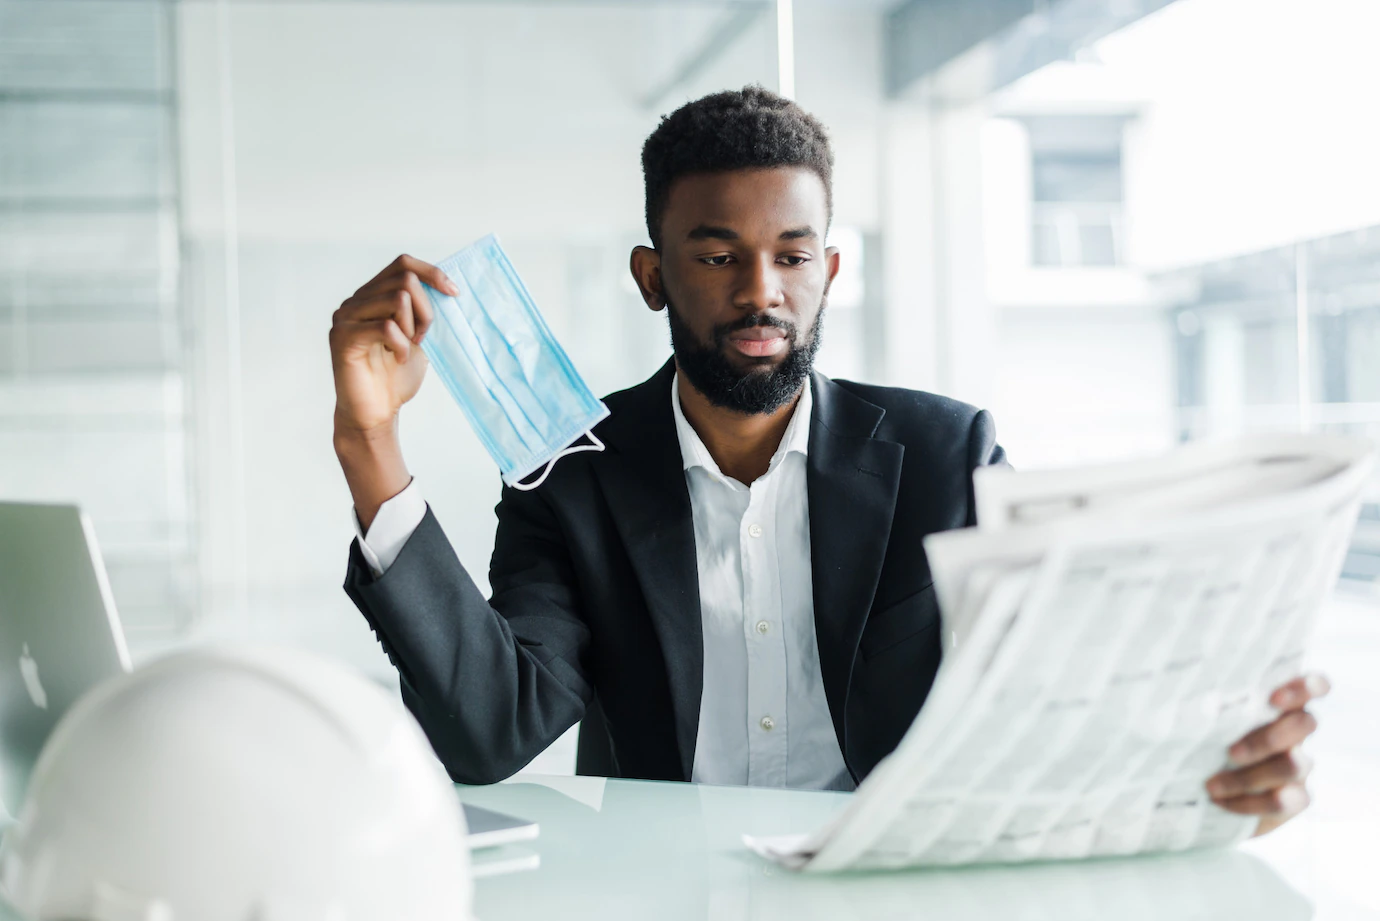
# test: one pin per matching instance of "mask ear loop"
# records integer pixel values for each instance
(573, 449)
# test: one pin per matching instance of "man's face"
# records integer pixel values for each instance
(743, 271)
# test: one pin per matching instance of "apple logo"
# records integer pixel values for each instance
(29, 669)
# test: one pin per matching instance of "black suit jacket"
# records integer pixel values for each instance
(595, 589)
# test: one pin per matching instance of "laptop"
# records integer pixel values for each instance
(60, 636)
(59, 633)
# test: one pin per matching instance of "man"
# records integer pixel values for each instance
(738, 580)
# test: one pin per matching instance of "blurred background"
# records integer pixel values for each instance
(1118, 224)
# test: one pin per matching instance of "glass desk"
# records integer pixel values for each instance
(622, 849)
(638, 850)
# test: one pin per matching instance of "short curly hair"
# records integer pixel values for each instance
(751, 128)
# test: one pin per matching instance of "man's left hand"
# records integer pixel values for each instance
(1269, 773)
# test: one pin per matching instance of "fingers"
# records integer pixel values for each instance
(1284, 733)
(404, 264)
(1269, 779)
(382, 305)
(428, 273)
(1270, 774)
(368, 333)
(1276, 806)
(398, 292)
(406, 303)
(396, 304)
(396, 341)
(420, 314)
(1297, 693)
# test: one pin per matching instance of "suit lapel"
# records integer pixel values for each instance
(851, 481)
(643, 480)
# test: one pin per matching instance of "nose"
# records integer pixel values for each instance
(759, 286)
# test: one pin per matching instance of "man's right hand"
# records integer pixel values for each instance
(379, 366)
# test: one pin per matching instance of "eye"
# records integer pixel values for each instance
(794, 260)
(721, 259)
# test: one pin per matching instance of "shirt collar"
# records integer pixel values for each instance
(693, 453)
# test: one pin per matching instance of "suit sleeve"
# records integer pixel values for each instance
(492, 682)
(983, 451)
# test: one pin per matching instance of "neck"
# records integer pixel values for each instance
(742, 444)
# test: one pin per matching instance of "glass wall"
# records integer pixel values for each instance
(93, 391)
(1203, 234)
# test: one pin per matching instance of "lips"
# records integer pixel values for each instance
(759, 332)
(758, 342)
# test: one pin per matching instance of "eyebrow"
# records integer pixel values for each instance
(708, 232)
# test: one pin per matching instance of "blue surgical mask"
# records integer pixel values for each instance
(496, 356)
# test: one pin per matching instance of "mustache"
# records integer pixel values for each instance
(752, 321)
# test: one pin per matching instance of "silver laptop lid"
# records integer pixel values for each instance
(59, 632)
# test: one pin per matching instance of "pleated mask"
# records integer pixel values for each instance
(498, 359)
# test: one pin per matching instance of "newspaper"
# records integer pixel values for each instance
(1109, 632)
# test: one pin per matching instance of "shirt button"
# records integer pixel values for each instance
(763, 627)
(768, 724)
(755, 530)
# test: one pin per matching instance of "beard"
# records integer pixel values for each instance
(761, 389)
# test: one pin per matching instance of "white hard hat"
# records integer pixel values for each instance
(237, 785)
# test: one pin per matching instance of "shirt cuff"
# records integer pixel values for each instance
(393, 525)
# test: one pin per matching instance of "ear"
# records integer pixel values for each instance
(831, 266)
(645, 265)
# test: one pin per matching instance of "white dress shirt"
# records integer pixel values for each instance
(764, 718)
